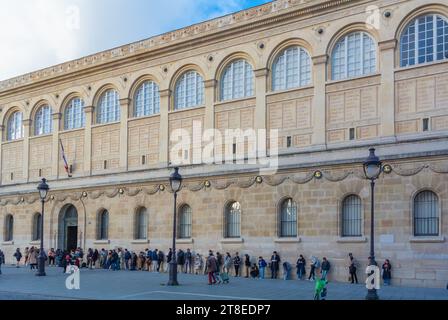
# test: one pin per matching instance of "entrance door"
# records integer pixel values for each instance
(72, 238)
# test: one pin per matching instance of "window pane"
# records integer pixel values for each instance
(291, 69)
(147, 99)
(233, 215)
(108, 107)
(141, 225)
(185, 222)
(189, 91)
(42, 121)
(237, 81)
(15, 126)
(426, 218)
(351, 217)
(75, 116)
(103, 225)
(288, 219)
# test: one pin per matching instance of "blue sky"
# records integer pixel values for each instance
(40, 33)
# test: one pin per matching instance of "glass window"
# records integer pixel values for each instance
(237, 81)
(141, 224)
(291, 69)
(103, 225)
(426, 214)
(108, 109)
(74, 116)
(233, 216)
(288, 219)
(189, 91)
(37, 220)
(425, 39)
(147, 99)
(354, 55)
(15, 126)
(9, 228)
(185, 222)
(351, 217)
(42, 121)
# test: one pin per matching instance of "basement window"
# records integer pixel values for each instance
(352, 134)
(426, 124)
(288, 142)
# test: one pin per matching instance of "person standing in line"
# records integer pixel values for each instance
(261, 267)
(352, 266)
(18, 256)
(301, 263)
(2, 260)
(275, 263)
(227, 263)
(188, 261)
(219, 261)
(51, 257)
(387, 274)
(236, 264)
(247, 265)
(325, 268)
(155, 262)
(27, 256)
(211, 268)
(89, 258)
(33, 258)
(198, 264)
(160, 258)
(314, 266)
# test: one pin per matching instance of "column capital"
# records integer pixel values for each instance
(125, 101)
(210, 83)
(387, 45)
(165, 93)
(89, 109)
(320, 59)
(27, 122)
(57, 116)
(263, 72)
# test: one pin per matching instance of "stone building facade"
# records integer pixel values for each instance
(333, 77)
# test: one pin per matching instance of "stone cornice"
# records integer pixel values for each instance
(249, 19)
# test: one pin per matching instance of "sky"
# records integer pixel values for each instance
(36, 34)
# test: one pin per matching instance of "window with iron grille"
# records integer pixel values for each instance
(426, 214)
(351, 217)
(185, 222)
(288, 218)
(232, 220)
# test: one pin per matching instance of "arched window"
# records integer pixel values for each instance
(15, 126)
(424, 39)
(103, 225)
(108, 109)
(141, 224)
(42, 121)
(9, 228)
(237, 80)
(37, 220)
(291, 69)
(288, 218)
(426, 214)
(232, 220)
(74, 115)
(147, 99)
(354, 55)
(351, 217)
(185, 222)
(189, 91)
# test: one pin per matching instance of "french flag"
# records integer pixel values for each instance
(65, 160)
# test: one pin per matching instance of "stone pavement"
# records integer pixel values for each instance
(22, 284)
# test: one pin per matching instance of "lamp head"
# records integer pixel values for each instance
(372, 165)
(175, 180)
(43, 189)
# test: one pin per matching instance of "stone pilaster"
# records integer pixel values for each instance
(163, 127)
(2, 133)
(124, 114)
(387, 88)
(210, 89)
(55, 144)
(319, 100)
(88, 140)
(26, 148)
(260, 105)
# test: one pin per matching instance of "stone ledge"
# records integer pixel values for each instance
(351, 239)
(185, 241)
(140, 241)
(7, 243)
(35, 243)
(427, 239)
(232, 240)
(288, 240)
(101, 242)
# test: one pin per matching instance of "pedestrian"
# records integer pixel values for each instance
(27, 256)
(236, 264)
(18, 256)
(211, 268)
(198, 264)
(127, 257)
(103, 258)
(315, 263)
(2, 260)
(387, 274)
(262, 267)
(325, 268)
(133, 261)
(89, 258)
(286, 270)
(180, 260)
(155, 257)
(95, 256)
(227, 263)
(160, 259)
(51, 257)
(247, 265)
(219, 261)
(254, 272)
(188, 261)
(275, 263)
(352, 266)
(300, 265)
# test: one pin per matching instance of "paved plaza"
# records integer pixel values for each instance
(21, 283)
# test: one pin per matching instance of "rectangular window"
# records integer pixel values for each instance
(352, 134)
(40, 173)
(105, 165)
(70, 169)
(12, 176)
(288, 142)
(143, 160)
(426, 124)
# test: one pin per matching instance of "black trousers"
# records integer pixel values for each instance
(354, 277)
(312, 274)
(237, 268)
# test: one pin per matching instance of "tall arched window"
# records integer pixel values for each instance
(351, 217)
(288, 218)
(37, 220)
(354, 55)
(108, 109)
(15, 126)
(42, 121)
(426, 214)
(103, 225)
(189, 91)
(141, 224)
(232, 220)
(237, 80)
(291, 69)
(185, 222)
(147, 99)
(74, 115)
(9, 228)
(424, 39)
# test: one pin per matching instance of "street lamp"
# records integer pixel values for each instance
(372, 169)
(43, 190)
(175, 183)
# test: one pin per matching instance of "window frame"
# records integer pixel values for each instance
(281, 221)
(8, 235)
(308, 80)
(246, 81)
(228, 223)
(197, 91)
(182, 226)
(15, 127)
(71, 115)
(140, 108)
(103, 225)
(138, 227)
(436, 217)
(43, 122)
(360, 220)
(112, 112)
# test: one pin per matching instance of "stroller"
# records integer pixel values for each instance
(224, 277)
(320, 292)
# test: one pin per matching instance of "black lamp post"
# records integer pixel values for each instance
(176, 183)
(372, 169)
(43, 190)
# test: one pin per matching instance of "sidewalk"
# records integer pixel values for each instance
(21, 283)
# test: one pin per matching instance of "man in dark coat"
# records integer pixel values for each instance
(275, 263)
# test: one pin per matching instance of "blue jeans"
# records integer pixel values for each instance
(261, 276)
(299, 274)
(324, 274)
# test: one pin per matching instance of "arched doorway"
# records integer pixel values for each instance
(68, 228)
